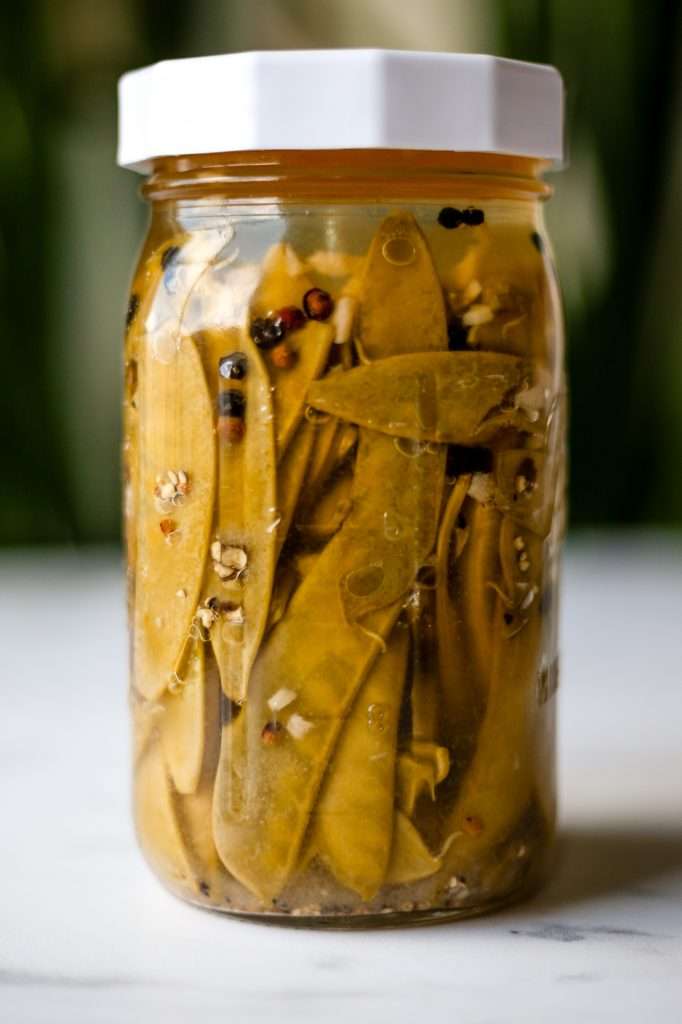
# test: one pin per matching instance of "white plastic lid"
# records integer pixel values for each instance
(339, 99)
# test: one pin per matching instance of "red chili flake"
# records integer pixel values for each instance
(318, 304)
(231, 428)
(272, 733)
(291, 317)
(167, 527)
(283, 356)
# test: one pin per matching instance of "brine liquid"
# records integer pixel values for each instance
(344, 474)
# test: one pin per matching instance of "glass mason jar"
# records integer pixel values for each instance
(344, 429)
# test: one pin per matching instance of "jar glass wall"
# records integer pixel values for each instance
(344, 476)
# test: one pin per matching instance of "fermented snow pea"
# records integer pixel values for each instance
(401, 306)
(328, 513)
(480, 569)
(264, 794)
(143, 294)
(443, 397)
(246, 517)
(419, 770)
(184, 723)
(352, 596)
(156, 819)
(395, 529)
(523, 490)
(410, 858)
(326, 429)
(284, 283)
(291, 472)
(360, 779)
(334, 450)
(461, 697)
(423, 658)
(498, 782)
(176, 436)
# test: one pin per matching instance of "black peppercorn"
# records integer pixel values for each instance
(472, 217)
(133, 306)
(231, 403)
(267, 332)
(449, 217)
(234, 366)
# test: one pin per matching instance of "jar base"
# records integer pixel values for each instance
(370, 920)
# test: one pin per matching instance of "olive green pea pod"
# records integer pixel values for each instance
(176, 437)
(286, 581)
(246, 515)
(351, 829)
(146, 717)
(480, 572)
(443, 397)
(183, 726)
(284, 283)
(420, 611)
(264, 791)
(395, 526)
(337, 440)
(159, 832)
(328, 514)
(291, 473)
(419, 770)
(460, 688)
(410, 858)
(143, 294)
(401, 308)
(523, 490)
(499, 780)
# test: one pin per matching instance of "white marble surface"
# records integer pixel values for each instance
(88, 937)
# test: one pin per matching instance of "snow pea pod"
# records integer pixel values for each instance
(462, 706)
(176, 436)
(246, 516)
(443, 397)
(291, 473)
(480, 569)
(498, 783)
(183, 726)
(410, 858)
(361, 777)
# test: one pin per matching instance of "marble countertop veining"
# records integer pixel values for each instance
(88, 937)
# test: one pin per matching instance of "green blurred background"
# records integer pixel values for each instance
(71, 222)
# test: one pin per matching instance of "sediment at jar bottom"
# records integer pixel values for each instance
(340, 579)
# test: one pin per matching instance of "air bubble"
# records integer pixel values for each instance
(392, 526)
(378, 717)
(399, 251)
